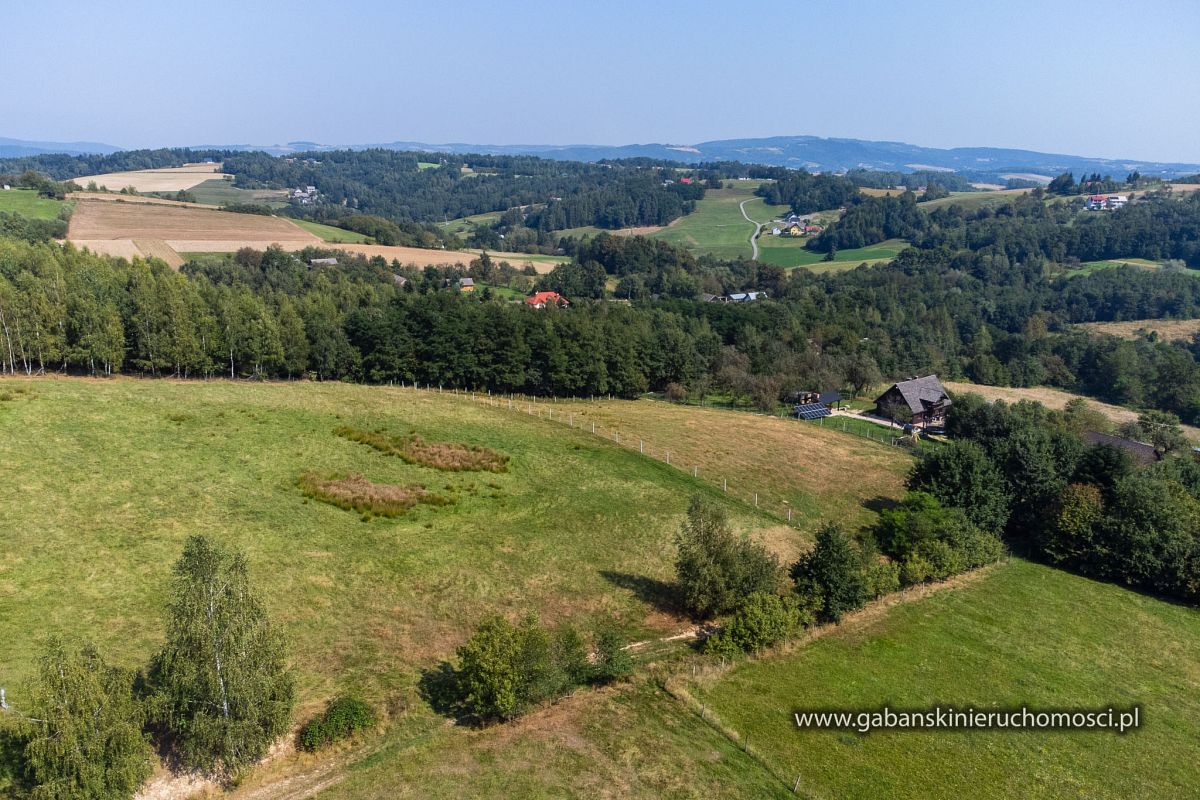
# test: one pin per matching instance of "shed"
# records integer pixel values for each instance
(1142, 453)
(323, 262)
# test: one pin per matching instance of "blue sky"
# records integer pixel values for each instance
(1112, 79)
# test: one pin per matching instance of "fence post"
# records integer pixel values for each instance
(725, 485)
(668, 456)
(756, 499)
(641, 446)
(617, 436)
(789, 515)
(695, 472)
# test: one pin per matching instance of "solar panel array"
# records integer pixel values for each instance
(811, 411)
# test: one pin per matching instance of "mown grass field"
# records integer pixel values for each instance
(332, 234)
(463, 225)
(717, 226)
(27, 203)
(1172, 330)
(1018, 634)
(791, 253)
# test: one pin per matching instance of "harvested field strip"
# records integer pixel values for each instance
(95, 219)
(1173, 330)
(412, 449)
(356, 493)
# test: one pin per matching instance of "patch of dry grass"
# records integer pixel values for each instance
(1171, 330)
(356, 493)
(412, 449)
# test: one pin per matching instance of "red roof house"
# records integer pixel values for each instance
(543, 299)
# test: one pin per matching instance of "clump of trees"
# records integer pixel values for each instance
(216, 696)
(506, 669)
(1023, 471)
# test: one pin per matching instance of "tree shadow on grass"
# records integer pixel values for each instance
(442, 689)
(880, 503)
(660, 594)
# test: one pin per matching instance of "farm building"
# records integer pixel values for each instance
(323, 262)
(543, 299)
(921, 401)
(466, 284)
(1142, 454)
(711, 298)
(745, 297)
(829, 399)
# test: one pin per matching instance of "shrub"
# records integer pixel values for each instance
(354, 492)
(914, 570)
(831, 575)
(762, 620)
(883, 577)
(613, 662)
(504, 669)
(945, 539)
(960, 474)
(412, 449)
(716, 568)
(342, 718)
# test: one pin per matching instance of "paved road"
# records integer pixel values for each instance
(757, 228)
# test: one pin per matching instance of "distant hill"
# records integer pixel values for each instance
(808, 152)
(834, 155)
(18, 148)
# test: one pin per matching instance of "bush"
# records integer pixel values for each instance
(761, 621)
(613, 662)
(883, 577)
(946, 541)
(717, 569)
(343, 717)
(914, 570)
(505, 669)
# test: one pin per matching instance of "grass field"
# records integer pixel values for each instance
(118, 473)
(1172, 330)
(1019, 634)
(27, 203)
(463, 225)
(973, 200)
(218, 192)
(791, 253)
(329, 233)
(717, 226)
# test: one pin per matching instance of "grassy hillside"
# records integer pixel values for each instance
(716, 226)
(330, 233)
(218, 192)
(27, 203)
(118, 473)
(1020, 634)
(111, 476)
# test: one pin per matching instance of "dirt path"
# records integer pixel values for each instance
(757, 229)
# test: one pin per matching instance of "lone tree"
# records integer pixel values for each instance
(86, 735)
(716, 569)
(222, 688)
(831, 574)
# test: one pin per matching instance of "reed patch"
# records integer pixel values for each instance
(355, 493)
(412, 449)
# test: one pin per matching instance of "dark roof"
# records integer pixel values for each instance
(1140, 451)
(811, 411)
(920, 393)
(829, 397)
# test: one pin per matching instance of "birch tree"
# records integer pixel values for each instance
(222, 687)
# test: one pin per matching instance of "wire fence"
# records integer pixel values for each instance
(566, 413)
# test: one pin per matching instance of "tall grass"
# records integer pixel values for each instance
(356, 493)
(412, 449)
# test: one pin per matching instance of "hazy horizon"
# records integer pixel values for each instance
(1078, 79)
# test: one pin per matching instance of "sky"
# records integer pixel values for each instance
(1103, 79)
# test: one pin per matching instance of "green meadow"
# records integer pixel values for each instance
(27, 203)
(330, 233)
(1017, 634)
